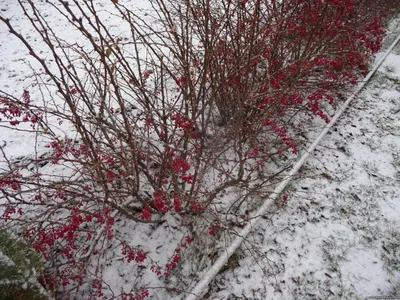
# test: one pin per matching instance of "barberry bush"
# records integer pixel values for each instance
(164, 114)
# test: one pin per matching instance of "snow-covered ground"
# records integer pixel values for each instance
(337, 236)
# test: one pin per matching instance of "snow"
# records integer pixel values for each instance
(391, 66)
(338, 236)
(327, 242)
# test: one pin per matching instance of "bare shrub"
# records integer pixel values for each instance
(168, 113)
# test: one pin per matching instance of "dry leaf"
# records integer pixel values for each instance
(108, 52)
